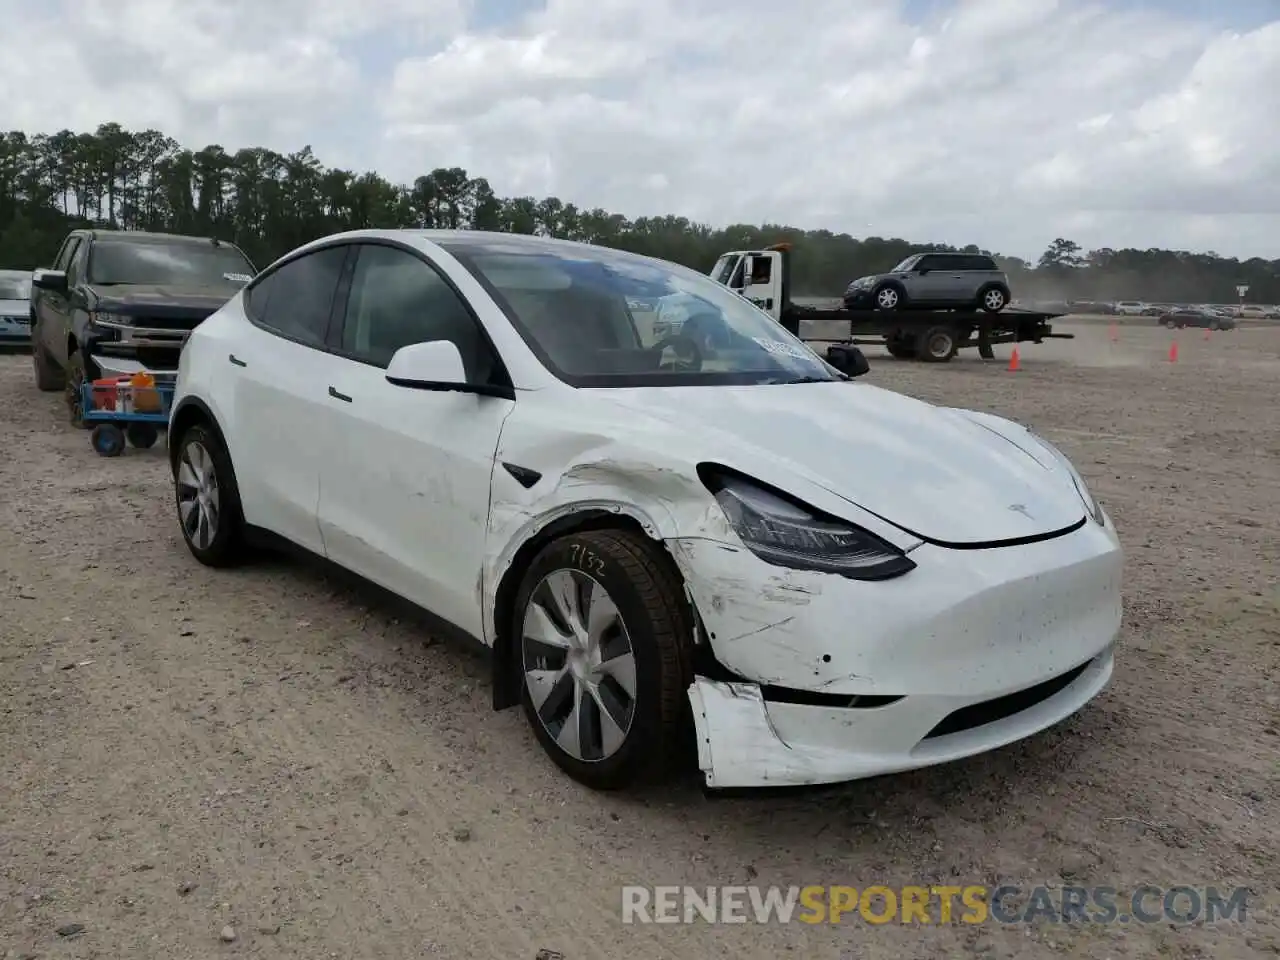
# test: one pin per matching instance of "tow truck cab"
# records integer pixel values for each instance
(762, 276)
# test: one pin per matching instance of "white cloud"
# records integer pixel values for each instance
(1000, 122)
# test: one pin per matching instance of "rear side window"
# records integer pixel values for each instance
(979, 263)
(296, 299)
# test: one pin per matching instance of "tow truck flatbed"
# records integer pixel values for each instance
(932, 336)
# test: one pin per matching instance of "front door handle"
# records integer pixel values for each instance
(339, 396)
(236, 360)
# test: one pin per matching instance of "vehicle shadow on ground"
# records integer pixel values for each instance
(919, 809)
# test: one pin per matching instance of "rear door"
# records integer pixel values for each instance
(280, 368)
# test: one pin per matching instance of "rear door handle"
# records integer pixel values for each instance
(236, 360)
(339, 396)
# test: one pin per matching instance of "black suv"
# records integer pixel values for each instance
(117, 302)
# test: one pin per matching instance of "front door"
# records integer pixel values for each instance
(407, 505)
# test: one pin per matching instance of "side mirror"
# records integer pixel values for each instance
(437, 366)
(922, 270)
(55, 280)
(848, 360)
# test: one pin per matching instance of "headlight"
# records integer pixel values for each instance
(1090, 501)
(786, 533)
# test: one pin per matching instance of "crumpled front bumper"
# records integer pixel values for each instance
(972, 650)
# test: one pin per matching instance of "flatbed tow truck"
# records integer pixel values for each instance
(931, 336)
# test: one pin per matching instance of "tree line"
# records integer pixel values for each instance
(268, 203)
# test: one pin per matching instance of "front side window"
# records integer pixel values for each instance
(296, 299)
(570, 305)
(189, 264)
(396, 299)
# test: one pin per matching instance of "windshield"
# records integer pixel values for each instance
(178, 264)
(15, 286)
(723, 269)
(906, 264)
(570, 304)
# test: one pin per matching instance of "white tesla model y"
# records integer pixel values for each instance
(712, 537)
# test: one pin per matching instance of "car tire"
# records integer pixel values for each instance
(642, 626)
(1215, 325)
(993, 298)
(1170, 324)
(937, 344)
(76, 376)
(207, 499)
(49, 376)
(889, 297)
(900, 346)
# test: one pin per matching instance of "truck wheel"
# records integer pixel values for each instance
(888, 296)
(993, 299)
(937, 345)
(71, 387)
(900, 346)
(49, 375)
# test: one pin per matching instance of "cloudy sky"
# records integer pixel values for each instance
(998, 122)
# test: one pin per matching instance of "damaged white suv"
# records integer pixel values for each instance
(712, 539)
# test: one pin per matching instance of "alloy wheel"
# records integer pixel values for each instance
(994, 300)
(579, 665)
(887, 298)
(199, 502)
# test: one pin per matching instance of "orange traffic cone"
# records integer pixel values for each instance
(1115, 333)
(1014, 364)
(1173, 352)
(1207, 331)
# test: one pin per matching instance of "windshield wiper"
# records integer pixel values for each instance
(836, 379)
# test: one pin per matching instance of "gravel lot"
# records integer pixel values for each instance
(185, 750)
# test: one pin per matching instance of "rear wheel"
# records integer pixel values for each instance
(993, 299)
(937, 345)
(208, 499)
(603, 628)
(900, 345)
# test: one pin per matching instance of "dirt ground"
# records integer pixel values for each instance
(185, 750)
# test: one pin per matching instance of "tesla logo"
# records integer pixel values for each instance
(1020, 508)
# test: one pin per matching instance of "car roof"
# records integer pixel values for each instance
(141, 236)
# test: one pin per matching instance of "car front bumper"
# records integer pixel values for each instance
(860, 297)
(972, 650)
(15, 330)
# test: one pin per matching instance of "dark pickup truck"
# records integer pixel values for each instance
(117, 302)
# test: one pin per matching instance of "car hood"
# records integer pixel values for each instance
(145, 300)
(948, 476)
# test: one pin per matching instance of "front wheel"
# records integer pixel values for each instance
(603, 632)
(74, 380)
(887, 296)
